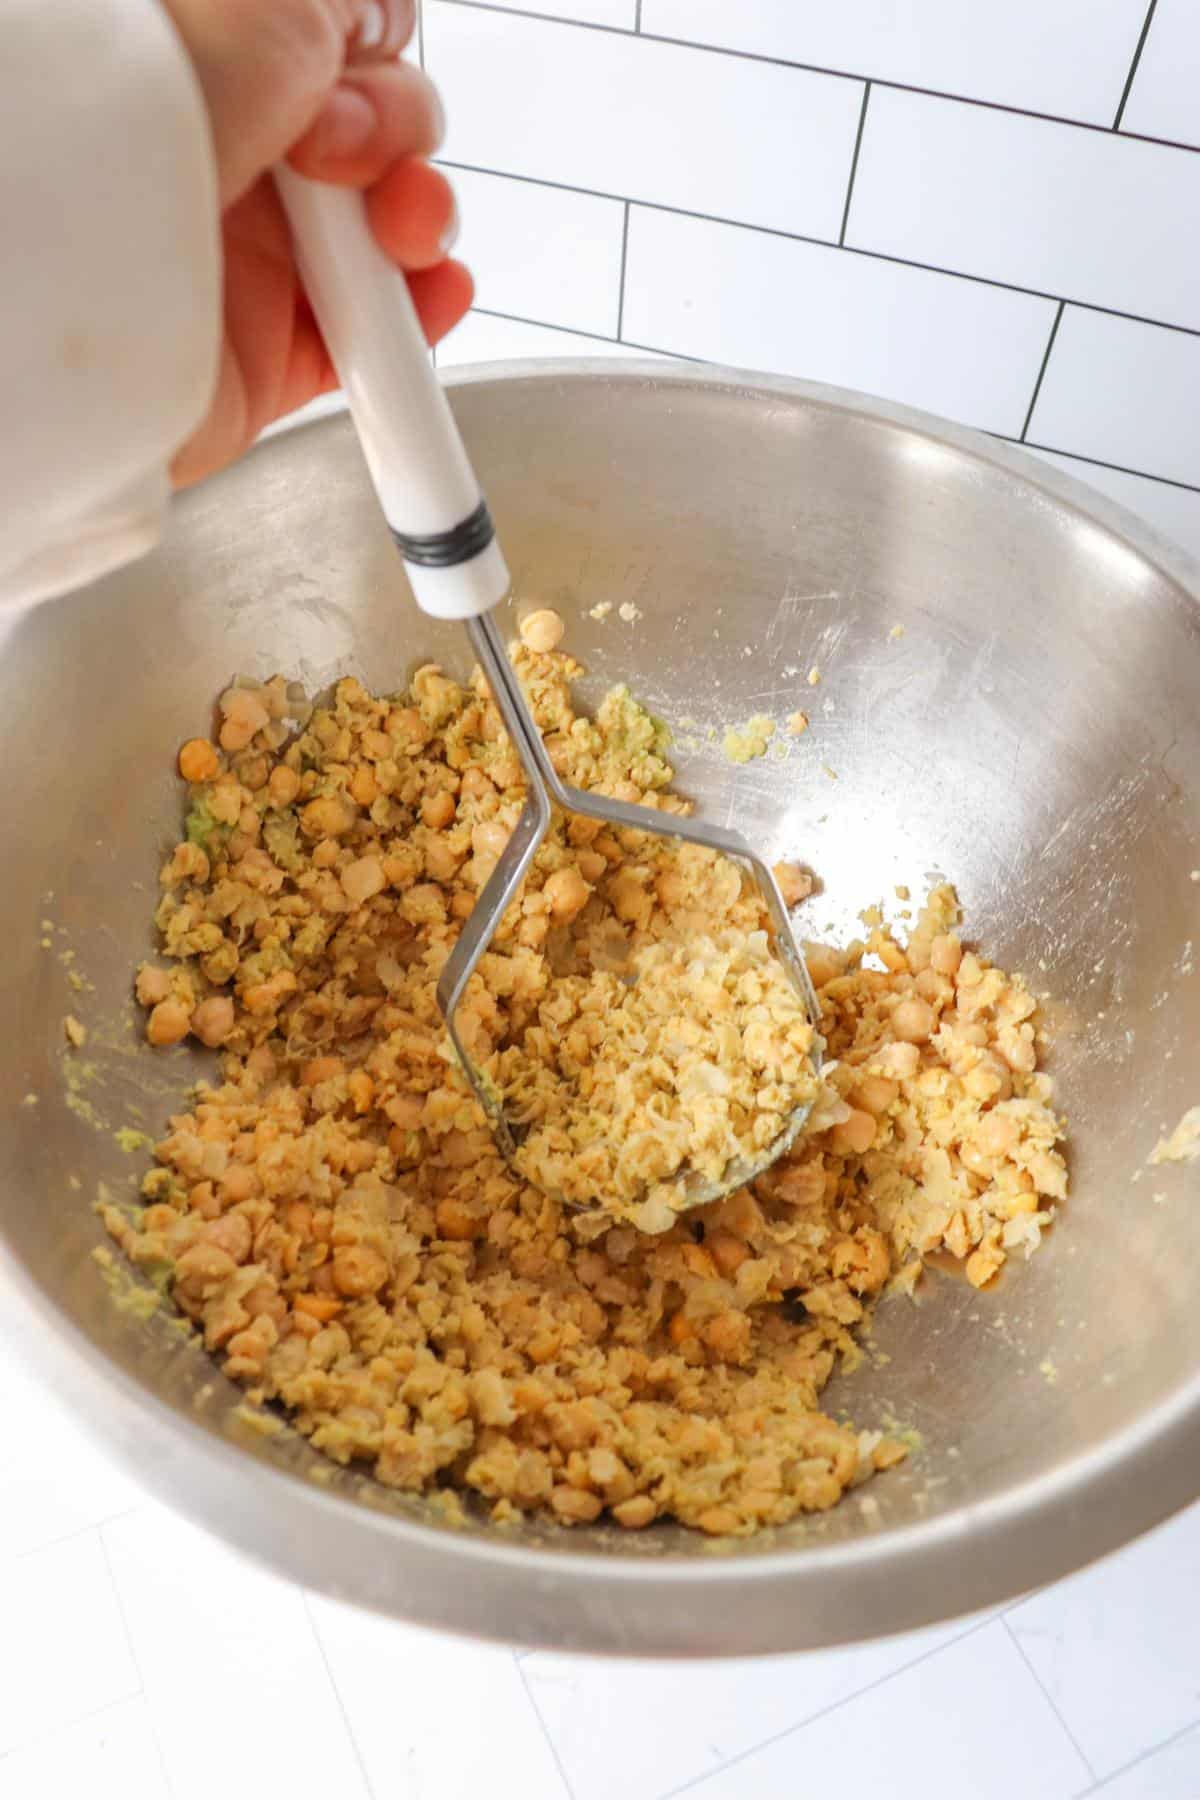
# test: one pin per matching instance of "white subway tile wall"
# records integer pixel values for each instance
(621, 114)
(731, 295)
(1164, 100)
(894, 198)
(1123, 392)
(1089, 215)
(1067, 57)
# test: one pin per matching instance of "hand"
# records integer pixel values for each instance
(317, 81)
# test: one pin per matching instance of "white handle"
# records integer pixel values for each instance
(425, 482)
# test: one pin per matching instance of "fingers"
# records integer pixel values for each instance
(384, 28)
(372, 118)
(441, 297)
(413, 215)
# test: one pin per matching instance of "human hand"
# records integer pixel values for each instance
(317, 82)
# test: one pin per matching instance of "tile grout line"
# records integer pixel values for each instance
(1097, 462)
(824, 1711)
(637, 16)
(858, 138)
(1015, 1641)
(1133, 67)
(49, 1733)
(784, 62)
(337, 1692)
(69, 1536)
(800, 237)
(133, 1655)
(518, 1664)
(1142, 1756)
(598, 337)
(624, 264)
(1041, 374)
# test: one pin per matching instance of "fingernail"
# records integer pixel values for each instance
(346, 121)
(372, 24)
(449, 236)
(383, 29)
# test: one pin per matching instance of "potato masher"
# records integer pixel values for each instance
(436, 513)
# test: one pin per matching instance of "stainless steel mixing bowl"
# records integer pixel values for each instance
(1035, 734)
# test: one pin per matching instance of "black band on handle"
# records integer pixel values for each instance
(444, 549)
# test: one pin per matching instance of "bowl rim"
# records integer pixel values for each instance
(813, 1595)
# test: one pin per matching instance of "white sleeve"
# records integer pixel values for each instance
(111, 309)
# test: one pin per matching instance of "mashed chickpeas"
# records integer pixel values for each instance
(335, 1217)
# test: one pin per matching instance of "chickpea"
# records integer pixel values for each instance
(320, 1068)
(212, 1020)
(795, 883)
(997, 1134)
(1015, 1044)
(476, 785)
(243, 714)
(204, 1265)
(489, 838)
(914, 1020)
(862, 1261)
(152, 985)
(575, 1506)
(635, 1513)
(232, 1234)
(198, 760)
(874, 1094)
(945, 955)
(983, 1263)
(358, 1270)
(437, 810)
(567, 893)
(630, 901)
(457, 1222)
(854, 1135)
(364, 786)
(362, 1090)
(362, 879)
(168, 1023)
(699, 1262)
(728, 1336)
(442, 861)
(321, 1308)
(824, 964)
(989, 1080)
(330, 815)
(408, 729)
(238, 1183)
(900, 1060)
(283, 784)
(406, 1111)
(727, 1251)
(542, 631)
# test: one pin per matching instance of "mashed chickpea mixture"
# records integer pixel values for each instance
(335, 1217)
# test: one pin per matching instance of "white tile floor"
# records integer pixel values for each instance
(141, 1660)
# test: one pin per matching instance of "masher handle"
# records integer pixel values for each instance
(430, 496)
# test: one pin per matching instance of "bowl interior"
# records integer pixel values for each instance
(1033, 735)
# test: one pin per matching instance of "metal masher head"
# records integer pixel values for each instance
(544, 787)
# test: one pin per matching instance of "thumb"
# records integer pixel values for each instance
(265, 68)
